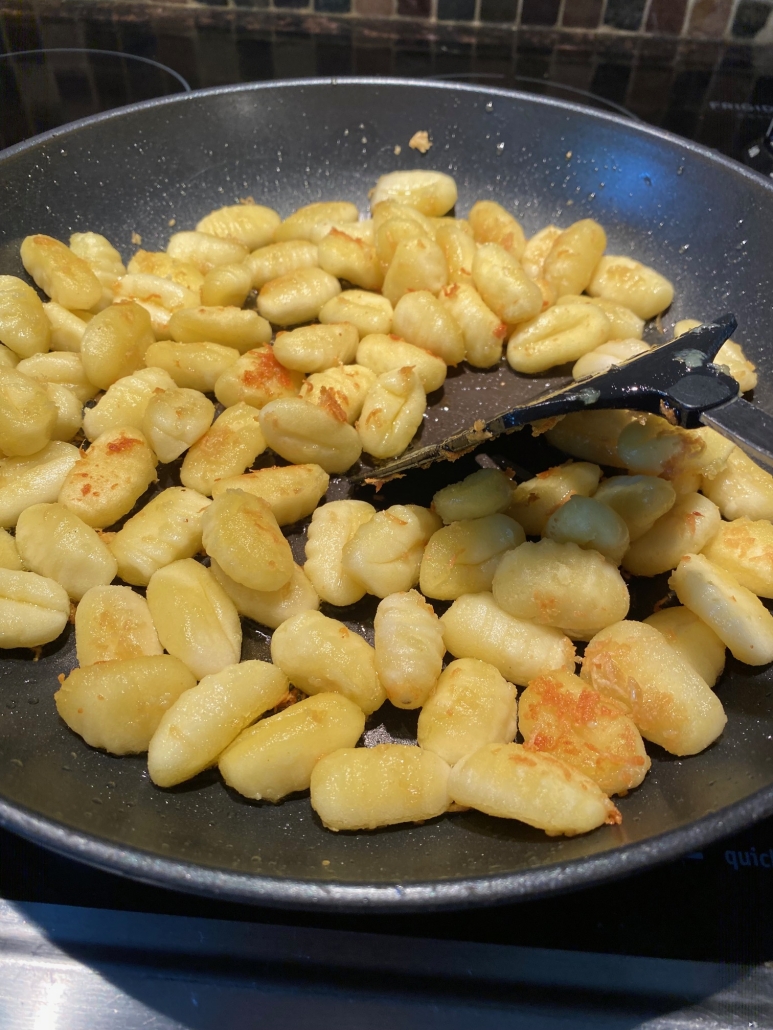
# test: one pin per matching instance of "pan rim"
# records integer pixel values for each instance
(380, 80)
(467, 892)
(292, 893)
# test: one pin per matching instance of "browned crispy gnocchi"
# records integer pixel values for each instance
(561, 715)
(669, 702)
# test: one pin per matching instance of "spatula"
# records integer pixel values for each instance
(677, 380)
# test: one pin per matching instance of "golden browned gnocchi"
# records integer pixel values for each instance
(60, 273)
(55, 543)
(534, 501)
(194, 617)
(432, 193)
(461, 558)
(491, 223)
(33, 609)
(167, 529)
(685, 529)
(305, 433)
(343, 388)
(256, 379)
(319, 654)
(513, 782)
(229, 446)
(408, 639)
(240, 532)
(364, 788)
(569, 264)
(392, 411)
(563, 585)
(291, 491)
(384, 554)
(475, 627)
(113, 623)
(203, 721)
(432, 290)
(118, 705)
(632, 284)
(745, 549)
(471, 705)
(277, 756)
(107, 480)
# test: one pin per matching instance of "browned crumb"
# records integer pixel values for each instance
(568, 154)
(542, 425)
(246, 200)
(61, 678)
(36, 653)
(420, 141)
(136, 239)
(661, 604)
(378, 483)
(398, 149)
(293, 696)
(172, 222)
(668, 414)
(325, 861)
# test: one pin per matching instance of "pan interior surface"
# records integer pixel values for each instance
(697, 218)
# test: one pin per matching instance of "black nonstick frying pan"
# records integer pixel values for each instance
(701, 219)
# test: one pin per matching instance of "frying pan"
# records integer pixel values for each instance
(699, 218)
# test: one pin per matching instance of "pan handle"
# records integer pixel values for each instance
(747, 426)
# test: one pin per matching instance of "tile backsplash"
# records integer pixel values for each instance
(749, 21)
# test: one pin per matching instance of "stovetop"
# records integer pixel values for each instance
(710, 906)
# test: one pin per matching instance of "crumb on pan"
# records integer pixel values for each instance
(136, 239)
(398, 149)
(542, 425)
(420, 141)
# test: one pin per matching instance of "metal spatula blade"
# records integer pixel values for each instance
(677, 380)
